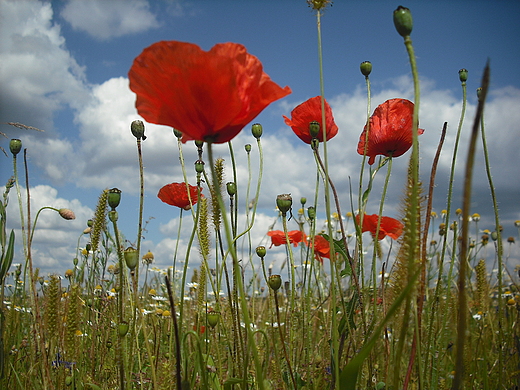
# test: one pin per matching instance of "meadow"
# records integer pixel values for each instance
(426, 313)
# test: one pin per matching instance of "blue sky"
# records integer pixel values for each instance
(65, 64)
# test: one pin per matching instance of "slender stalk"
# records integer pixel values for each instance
(466, 203)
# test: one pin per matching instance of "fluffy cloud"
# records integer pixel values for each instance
(38, 74)
(108, 19)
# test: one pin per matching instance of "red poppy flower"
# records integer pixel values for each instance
(207, 95)
(278, 237)
(175, 194)
(389, 226)
(321, 248)
(390, 130)
(307, 112)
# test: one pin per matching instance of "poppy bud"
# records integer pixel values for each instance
(311, 213)
(275, 282)
(88, 247)
(199, 166)
(257, 130)
(67, 214)
(177, 133)
(114, 197)
(137, 128)
(260, 251)
(247, 147)
(15, 146)
(113, 216)
(231, 188)
(494, 236)
(131, 258)
(314, 129)
(303, 201)
(403, 21)
(366, 68)
(213, 318)
(463, 75)
(123, 329)
(284, 203)
(75, 261)
(90, 223)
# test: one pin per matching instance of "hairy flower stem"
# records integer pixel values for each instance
(282, 337)
(176, 334)
(141, 207)
(498, 241)
(240, 286)
(120, 304)
(414, 203)
(466, 203)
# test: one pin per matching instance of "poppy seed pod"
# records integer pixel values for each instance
(213, 318)
(257, 130)
(261, 251)
(403, 21)
(275, 282)
(199, 166)
(131, 258)
(247, 147)
(463, 75)
(231, 188)
(123, 329)
(284, 203)
(177, 133)
(114, 197)
(314, 129)
(366, 68)
(137, 128)
(15, 145)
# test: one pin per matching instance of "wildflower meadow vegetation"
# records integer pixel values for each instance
(424, 314)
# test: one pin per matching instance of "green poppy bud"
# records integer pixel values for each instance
(257, 130)
(311, 212)
(131, 258)
(284, 203)
(463, 75)
(303, 201)
(15, 146)
(314, 129)
(275, 282)
(90, 223)
(213, 318)
(113, 216)
(260, 251)
(88, 247)
(403, 21)
(137, 128)
(231, 188)
(177, 133)
(366, 68)
(494, 236)
(114, 197)
(123, 329)
(75, 261)
(199, 166)
(479, 92)
(247, 147)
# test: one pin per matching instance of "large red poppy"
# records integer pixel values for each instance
(307, 112)
(390, 130)
(176, 194)
(207, 95)
(278, 237)
(389, 226)
(321, 248)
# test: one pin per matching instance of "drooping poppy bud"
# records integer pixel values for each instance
(67, 214)
(403, 21)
